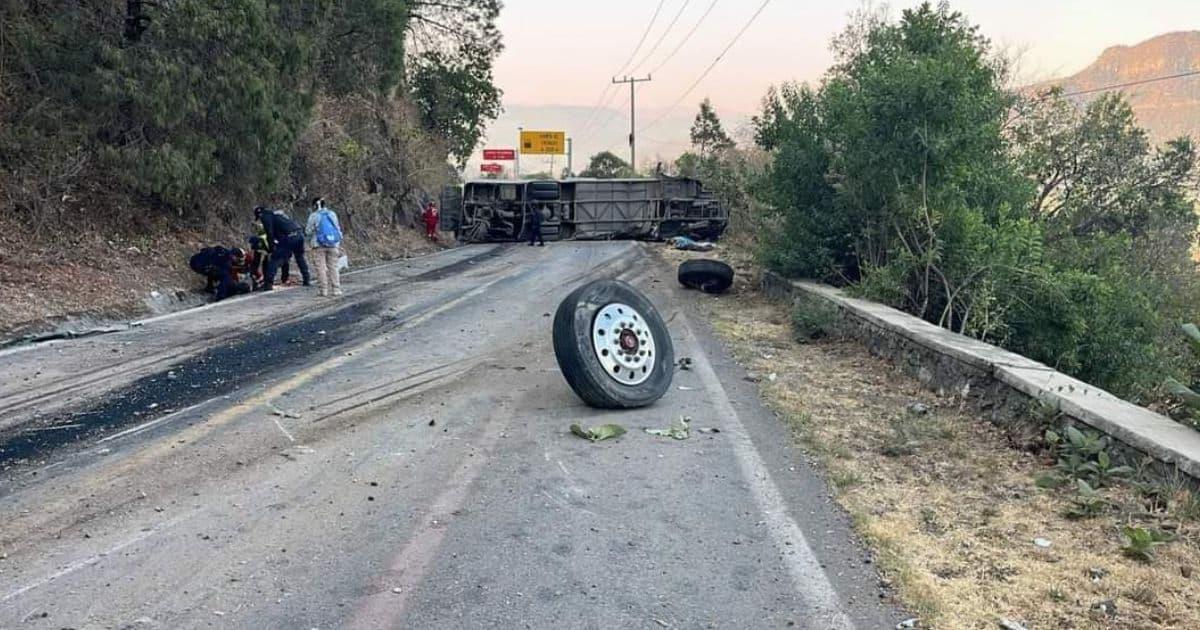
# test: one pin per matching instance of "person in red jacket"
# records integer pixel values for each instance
(431, 221)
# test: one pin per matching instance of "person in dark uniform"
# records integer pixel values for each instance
(535, 226)
(218, 266)
(287, 241)
(260, 248)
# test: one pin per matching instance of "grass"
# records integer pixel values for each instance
(952, 510)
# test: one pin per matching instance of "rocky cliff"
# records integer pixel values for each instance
(1167, 108)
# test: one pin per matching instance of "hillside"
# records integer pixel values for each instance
(130, 138)
(1167, 108)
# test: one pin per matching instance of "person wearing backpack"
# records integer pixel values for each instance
(325, 240)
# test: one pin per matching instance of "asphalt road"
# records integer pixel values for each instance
(401, 459)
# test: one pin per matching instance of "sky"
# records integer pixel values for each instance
(565, 53)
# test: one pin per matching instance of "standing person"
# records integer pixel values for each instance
(286, 239)
(535, 226)
(325, 238)
(431, 221)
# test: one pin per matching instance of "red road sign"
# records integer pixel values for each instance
(491, 168)
(500, 154)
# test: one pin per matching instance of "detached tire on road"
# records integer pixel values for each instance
(710, 276)
(612, 346)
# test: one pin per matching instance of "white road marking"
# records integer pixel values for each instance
(283, 430)
(809, 578)
(153, 423)
(95, 558)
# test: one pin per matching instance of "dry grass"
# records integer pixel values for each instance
(950, 507)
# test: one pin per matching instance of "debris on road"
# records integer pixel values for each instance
(691, 245)
(598, 433)
(1008, 624)
(684, 363)
(911, 622)
(679, 430)
(283, 413)
(709, 430)
(1042, 542)
(709, 276)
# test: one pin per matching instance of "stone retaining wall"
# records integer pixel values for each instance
(1018, 393)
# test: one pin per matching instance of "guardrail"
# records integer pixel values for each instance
(996, 380)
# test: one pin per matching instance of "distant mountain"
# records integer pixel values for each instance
(1168, 109)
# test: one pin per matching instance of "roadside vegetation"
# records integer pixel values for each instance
(168, 121)
(917, 176)
(970, 531)
(913, 175)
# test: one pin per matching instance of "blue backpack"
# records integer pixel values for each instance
(328, 234)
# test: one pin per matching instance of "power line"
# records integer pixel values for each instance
(638, 48)
(661, 38)
(606, 95)
(685, 39)
(612, 113)
(1132, 83)
(710, 67)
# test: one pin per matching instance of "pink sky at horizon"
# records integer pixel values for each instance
(564, 52)
(560, 56)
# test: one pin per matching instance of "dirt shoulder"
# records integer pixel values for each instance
(46, 281)
(963, 531)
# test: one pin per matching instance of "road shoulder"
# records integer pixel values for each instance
(958, 523)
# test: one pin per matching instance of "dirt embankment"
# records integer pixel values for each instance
(98, 252)
(100, 277)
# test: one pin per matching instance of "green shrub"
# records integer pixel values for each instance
(1060, 232)
(813, 319)
(1140, 543)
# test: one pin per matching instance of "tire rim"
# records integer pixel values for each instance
(624, 344)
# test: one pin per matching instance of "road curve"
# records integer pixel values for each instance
(402, 459)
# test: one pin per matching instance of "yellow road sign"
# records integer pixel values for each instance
(543, 142)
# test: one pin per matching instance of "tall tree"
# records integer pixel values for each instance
(708, 136)
(454, 44)
(606, 165)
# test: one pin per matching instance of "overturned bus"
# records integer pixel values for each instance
(491, 210)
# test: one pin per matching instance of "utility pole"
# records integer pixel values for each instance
(570, 157)
(632, 81)
(517, 155)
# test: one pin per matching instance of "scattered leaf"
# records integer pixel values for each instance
(678, 430)
(598, 433)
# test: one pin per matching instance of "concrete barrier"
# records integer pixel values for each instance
(1013, 388)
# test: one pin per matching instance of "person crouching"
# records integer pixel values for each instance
(220, 266)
